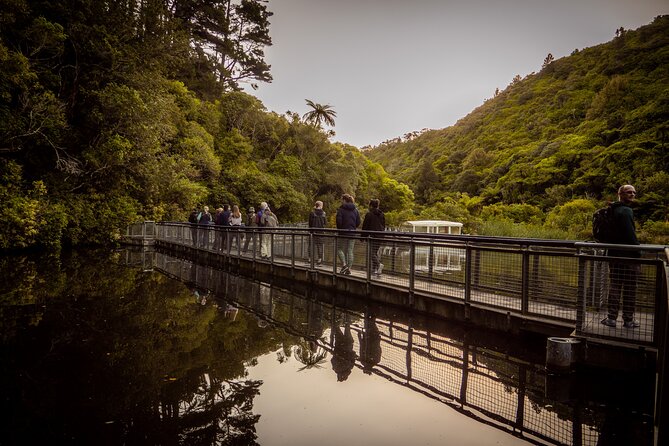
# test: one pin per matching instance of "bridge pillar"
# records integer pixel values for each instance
(562, 354)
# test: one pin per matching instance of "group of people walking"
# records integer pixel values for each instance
(232, 218)
(347, 220)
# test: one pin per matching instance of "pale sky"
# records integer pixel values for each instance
(389, 67)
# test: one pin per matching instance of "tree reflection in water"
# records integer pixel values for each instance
(310, 354)
(95, 352)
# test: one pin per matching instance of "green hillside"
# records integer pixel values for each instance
(553, 146)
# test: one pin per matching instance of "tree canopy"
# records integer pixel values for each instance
(112, 112)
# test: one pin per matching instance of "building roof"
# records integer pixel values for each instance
(433, 223)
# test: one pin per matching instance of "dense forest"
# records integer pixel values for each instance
(540, 156)
(118, 111)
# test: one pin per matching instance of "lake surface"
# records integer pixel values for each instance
(139, 347)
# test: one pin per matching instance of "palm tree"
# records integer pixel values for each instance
(321, 113)
(310, 354)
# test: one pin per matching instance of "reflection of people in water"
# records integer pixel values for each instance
(201, 298)
(230, 312)
(370, 345)
(343, 355)
(265, 299)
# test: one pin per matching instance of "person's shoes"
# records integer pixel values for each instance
(319, 262)
(631, 324)
(348, 271)
(345, 270)
(609, 322)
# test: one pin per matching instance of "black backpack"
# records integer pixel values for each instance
(603, 224)
(192, 218)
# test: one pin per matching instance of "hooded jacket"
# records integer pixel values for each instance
(317, 218)
(374, 220)
(348, 217)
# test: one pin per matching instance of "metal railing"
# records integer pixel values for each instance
(549, 280)
(140, 233)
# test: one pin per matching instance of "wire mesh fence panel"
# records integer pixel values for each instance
(620, 298)
(552, 285)
(350, 255)
(395, 257)
(440, 269)
(485, 393)
(497, 278)
(437, 365)
(393, 353)
(329, 252)
(135, 229)
(552, 425)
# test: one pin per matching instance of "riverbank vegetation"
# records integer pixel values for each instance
(540, 156)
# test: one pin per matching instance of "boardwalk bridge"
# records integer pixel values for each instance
(550, 287)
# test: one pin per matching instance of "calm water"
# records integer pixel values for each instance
(143, 348)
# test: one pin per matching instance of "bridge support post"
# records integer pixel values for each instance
(561, 354)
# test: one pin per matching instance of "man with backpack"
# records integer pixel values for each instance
(623, 275)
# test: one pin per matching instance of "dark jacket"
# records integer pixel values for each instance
(251, 219)
(623, 218)
(205, 219)
(348, 217)
(317, 218)
(224, 219)
(374, 220)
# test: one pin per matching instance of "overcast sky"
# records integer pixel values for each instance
(389, 67)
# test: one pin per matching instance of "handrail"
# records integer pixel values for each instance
(427, 236)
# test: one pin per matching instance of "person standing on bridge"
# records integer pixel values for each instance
(250, 224)
(223, 222)
(270, 222)
(192, 219)
(375, 220)
(264, 239)
(623, 275)
(236, 222)
(348, 220)
(317, 220)
(204, 222)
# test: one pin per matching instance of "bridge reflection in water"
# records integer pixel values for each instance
(492, 378)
